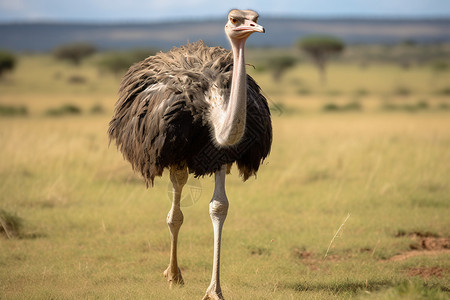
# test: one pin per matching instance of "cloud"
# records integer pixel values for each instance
(18, 9)
(158, 10)
(11, 6)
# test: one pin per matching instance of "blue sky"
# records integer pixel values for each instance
(158, 10)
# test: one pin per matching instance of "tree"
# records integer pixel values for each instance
(320, 48)
(7, 62)
(75, 52)
(280, 64)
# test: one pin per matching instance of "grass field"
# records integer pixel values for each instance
(90, 228)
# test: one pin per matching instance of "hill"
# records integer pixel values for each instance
(41, 37)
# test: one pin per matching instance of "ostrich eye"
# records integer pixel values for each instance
(233, 20)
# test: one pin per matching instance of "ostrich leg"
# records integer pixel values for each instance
(218, 208)
(178, 176)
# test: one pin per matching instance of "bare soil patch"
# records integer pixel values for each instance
(423, 244)
(427, 272)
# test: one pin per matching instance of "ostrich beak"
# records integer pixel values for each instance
(250, 26)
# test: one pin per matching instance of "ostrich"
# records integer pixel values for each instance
(195, 110)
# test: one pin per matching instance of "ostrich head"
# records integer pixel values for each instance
(241, 24)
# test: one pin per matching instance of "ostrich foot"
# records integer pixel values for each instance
(213, 293)
(173, 278)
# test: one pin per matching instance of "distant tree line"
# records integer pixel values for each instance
(116, 62)
(319, 48)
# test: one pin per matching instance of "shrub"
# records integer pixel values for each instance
(67, 109)
(9, 110)
(445, 91)
(439, 66)
(7, 62)
(354, 105)
(119, 62)
(361, 92)
(409, 107)
(333, 107)
(330, 107)
(10, 224)
(75, 52)
(422, 104)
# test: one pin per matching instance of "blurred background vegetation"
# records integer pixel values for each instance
(404, 76)
(360, 128)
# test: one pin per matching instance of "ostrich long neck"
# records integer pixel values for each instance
(232, 129)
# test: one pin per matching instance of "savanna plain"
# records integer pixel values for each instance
(352, 203)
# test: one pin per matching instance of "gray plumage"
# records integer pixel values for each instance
(162, 116)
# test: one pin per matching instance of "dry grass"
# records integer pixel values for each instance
(92, 230)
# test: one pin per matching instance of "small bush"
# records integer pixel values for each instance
(361, 92)
(119, 62)
(440, 65)
(422, 104)
(413, 107)
(330, 107)
(75, 52)
(333, 107)
(7, 61)
(354, 105)
(409, 107)
(68, 109)
(10, 224)
(445, 91)
(9, 110)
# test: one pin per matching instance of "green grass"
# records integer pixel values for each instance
(90, 228)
